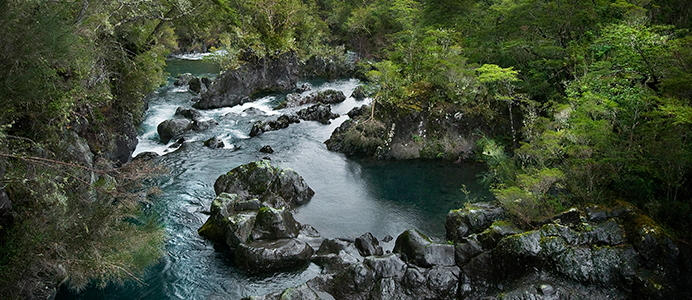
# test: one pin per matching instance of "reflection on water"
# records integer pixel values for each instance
(351, 196)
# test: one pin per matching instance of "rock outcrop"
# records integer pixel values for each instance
(615, 253)
(325, 97)
(257, 75)
(186, 119)
(319, 112)
(251, 215)
(281, 122)
(443, 131)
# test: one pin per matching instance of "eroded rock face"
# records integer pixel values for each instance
(256, 76)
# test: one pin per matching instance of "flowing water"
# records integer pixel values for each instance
(351, 196)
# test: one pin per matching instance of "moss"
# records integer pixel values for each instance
(211, 231)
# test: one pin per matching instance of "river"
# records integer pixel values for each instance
(351, 196)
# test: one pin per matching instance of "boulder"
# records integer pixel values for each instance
(281, 122)
(274, 224)
(318, 112)
(260, 180)
(473, 219)
(199, 85)
(214, 143)
(266, 149)
(257, 75)
(188, 113)
(203, 125)
(368, 245)
(171, 128)
(358, 111)
(324, 97)
(421, 251)
(270, 256)
(183, 79)
(359, 93)
(227, 225)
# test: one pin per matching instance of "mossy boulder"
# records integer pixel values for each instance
(421, 251)
(613, 252)
(269, 256)
(274, 186)
(274, 224)
(475, 218)
(319, 112)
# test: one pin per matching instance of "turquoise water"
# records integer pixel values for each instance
(351, 196)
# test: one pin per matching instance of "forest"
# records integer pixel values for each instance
(594, 99)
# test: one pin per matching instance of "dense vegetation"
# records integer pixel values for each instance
(593, 96)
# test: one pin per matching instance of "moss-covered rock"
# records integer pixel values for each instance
(269, 256)
(274, 224)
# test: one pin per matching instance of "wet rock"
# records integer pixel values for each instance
(260, 180)
(269, 256)
(188, 113)
(569, 217)
(328, 97)
(301, 292)
(359, 93)
(281, 122)
(214, 143)
(324, 97)
(266, 149)
(355, 282)
(358, 111)
(199, 85)
(171, 128)
(203, 125)
(253, 111)
(388, 266)
(596, 213)
(358, 138)
(183, 79)
(227, 225)
(274, 224)
(289, 186)
(421, 251)
(464, 252)
(368, 245)
(258, 75)
(319, 112)
(388, 238)
(475, 219)
(496, 232)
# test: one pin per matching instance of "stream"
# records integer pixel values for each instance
(352, 196)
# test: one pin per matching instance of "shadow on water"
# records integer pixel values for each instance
(429, 187)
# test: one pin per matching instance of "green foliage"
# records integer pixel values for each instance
(68, 232)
